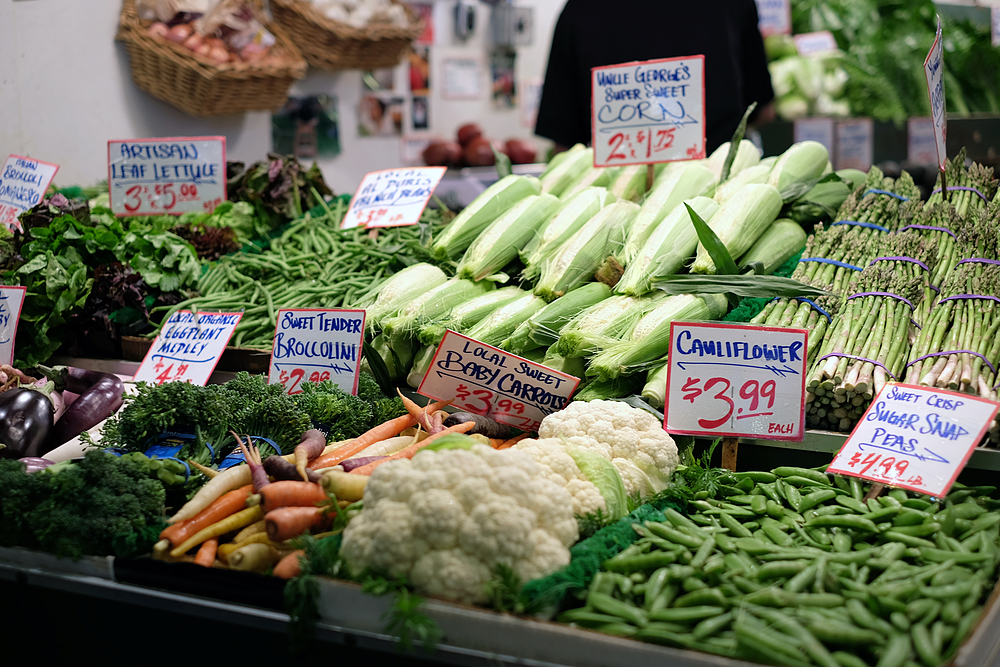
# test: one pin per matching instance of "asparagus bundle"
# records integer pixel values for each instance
(910, 254)
(969, 190)
(868, 344)
(941, 223)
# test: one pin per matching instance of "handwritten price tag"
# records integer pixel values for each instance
(774, 17)
(916, 438)
(11, 299)
(166, 176)
(488, 381)
(313, 345)
(651, 111)
(815, 43)
(392, 197)
(933, 69)
(733, 380)
(855, 142)
(23, 183)
(188, 348)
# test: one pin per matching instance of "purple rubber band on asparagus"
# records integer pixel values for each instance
(951, 352)
(889, 294)
(966, 189)
(931, 228)
(886, 192)
(901, 259)
(855, 223)
(851, 356)
(823, 260)
(978, 260)
(968, 297)
(812, 303)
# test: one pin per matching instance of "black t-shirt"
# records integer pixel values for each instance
(591, 33)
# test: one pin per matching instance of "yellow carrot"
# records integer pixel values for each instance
(235, 522)
(257, 538)
(252, 529)
(231, 478)
(408, 453)
(253, 558)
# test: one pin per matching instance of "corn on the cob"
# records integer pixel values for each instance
(574, 366)
(499, 243)
(655, 390)
(562, 174)
(667, 249)
(486, 208)
(434, 304)
(464, 315)
(782, 240)
(601, 324)
(740, 222)
(577, 259)
(689, 181)
(498, 326)
(747, 155)
(803, 162)
(629, 183)
(542, 329)
(755, 174)
(574, 214)
(398, 290)
(596, 177)
(649, 341)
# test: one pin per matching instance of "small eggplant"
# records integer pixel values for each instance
(484, 425)
(25, 422)
(101, 394)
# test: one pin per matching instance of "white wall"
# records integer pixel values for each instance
(65, 90)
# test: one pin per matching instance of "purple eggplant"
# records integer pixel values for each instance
(101, 394)
(25, 422)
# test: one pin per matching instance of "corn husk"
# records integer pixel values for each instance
(542, 329)
(499, 243)
(687, 182)
(747, 155)
(648, 344)
(435, 304)
(574, 366)
(781, 241)
(581, 256)
(801, 163)
(595, 177)
(398, 290)
(655, 389)
(602, 324)
(463, 316)
(755, 174)
(740, 222)
(571, 167)
(630, 183)
(498, 326)
(671, 244)
(574, 214)
(486, 208)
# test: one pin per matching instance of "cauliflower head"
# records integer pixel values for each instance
(559, 467)
(632, 439)
(446, 519)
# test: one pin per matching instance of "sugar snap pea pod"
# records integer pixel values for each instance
(614, 607)
(981, 523)
(774, 647)
(770, 491)
(691, 584)
(654, 585)
(909, 540)
(940, 633)
(712, 626)
(807, 538)
(840, 633)
(679, 521)
(794, 498)
(758, 504)
(891, 551)
(908, 517)
(897, 651)
(802, 580)
(916, 503)
(687, 614)
(774, 509)
(734, 526)
(962, 631)
(864, 618)
(587, 618)
(640, 562)
(842, 542)
(724, 542)
(923, 645)
(618, 629)
(754, 546)
(810, 645)
(889, 501)
(852, 504)
(666, 597)
(841, 483)
(941, 555)
(603, 582)
(851, 521)
(706, 596)
(781, 569)
(759, 477)
(776, 534)
(792, 471)
(799, 481)
(704, 551)
(900, 620)
(919, 530)
(857, 492)
(898, 494)
(673, 535)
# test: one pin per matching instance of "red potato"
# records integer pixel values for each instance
(442, 154)
(479, 153)
(520, 151)
(468, 132)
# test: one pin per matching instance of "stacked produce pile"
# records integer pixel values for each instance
(810, 85)
(793, 569)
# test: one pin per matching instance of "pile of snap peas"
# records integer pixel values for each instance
(796, 568)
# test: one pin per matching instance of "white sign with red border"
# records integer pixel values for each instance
(487, 381)
(736, 381)
(317, 344)
(392, 197)
(933, 69)
(171, 175)
(915, 438)
(649, 111)
(819, 43)
(23, 183)
(11, 300)
(188, 347)
(774, 17)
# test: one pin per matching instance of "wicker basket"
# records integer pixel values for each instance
(333, 45)
(199, 87)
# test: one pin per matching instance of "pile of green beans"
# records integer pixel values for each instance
(313, 264)
(795, 568)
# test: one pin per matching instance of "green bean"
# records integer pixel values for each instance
(687, 614)
(608, 605)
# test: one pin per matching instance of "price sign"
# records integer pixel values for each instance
(815, 43)
(855, 140)
(774, 17)
(646, 112)
(488, 381)
(995, 26)
(23, 183)
(916, 438)
(821, 130)
(11, 299)
(313, 345)
(921, 146)
(933, 69)
(392, 197)
(166, 176)
(188, 348)
(733, 380)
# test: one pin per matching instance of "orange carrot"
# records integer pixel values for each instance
(241, 519)
(290, 494)
(413, 449)
(226, 504)
(206, 554)
(507, 444)
(286, 523)
(381, 432)
(290, 566)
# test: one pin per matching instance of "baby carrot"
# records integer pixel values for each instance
(230, 523)
(289, 494)
(290, 566)
(507, 444)
(228, 504)
(206, 554)
(413, 449)
(285, 523)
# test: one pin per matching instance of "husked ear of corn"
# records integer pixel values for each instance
(573, 215)
(398, 290)
(781, 241)
(499, 325)
(464, 315)
(649, 341)
(486, 208)
(499, 243)
(747, 156)
(601, 324)
(689, 181)
(667, 249)
(629, 183)
(578, 258)
(597, 177)
(801, 163)
(755, 174)
(740, 222)
(542, 329)
(569, 168)
(434, 304)
(655, 390)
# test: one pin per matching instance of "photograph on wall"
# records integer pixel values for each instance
(462, 78)
(425, 12)
(306, 127)
(420, 70)
(502, 76)
(380, 115)
(420, 112)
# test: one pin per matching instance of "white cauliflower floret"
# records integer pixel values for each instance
(621, 432)
(561, 469)
(446, 519)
